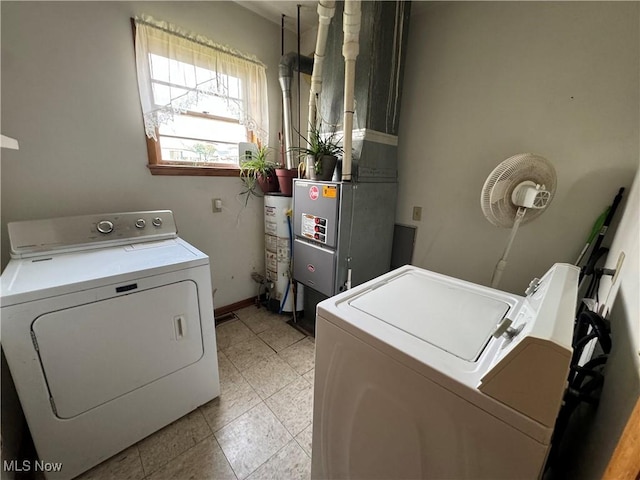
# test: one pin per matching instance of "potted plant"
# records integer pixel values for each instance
(259, 170)
(285, 175)
(321, 153)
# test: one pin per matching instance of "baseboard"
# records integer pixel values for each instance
(247, 302)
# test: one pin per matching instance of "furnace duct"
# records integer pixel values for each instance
(364, 98)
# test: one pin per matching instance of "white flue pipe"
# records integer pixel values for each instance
(350, 50)
(326, 9)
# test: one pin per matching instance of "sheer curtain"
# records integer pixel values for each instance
(178, 69)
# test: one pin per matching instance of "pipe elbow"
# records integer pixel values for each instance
(292, 61)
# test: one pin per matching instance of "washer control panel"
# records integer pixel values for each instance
(37, 237)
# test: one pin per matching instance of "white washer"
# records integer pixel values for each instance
(410, 381)
(108, 331)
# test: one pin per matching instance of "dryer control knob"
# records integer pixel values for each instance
(105, 226)
(157, 222)
(140, 223)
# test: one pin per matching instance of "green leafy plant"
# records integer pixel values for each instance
(256, 170)
(319, 145)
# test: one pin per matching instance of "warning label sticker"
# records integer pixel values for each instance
(314, 227)
(329, 191)
(271, 261)
(270, 227)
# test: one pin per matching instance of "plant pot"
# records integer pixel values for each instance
(285, 180)
(327, 166)
(268, 184)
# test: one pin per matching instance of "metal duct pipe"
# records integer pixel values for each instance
(288, 63)
(326, 9)
(350, 50)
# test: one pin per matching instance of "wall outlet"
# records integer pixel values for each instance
(216, 205)
(417, 213)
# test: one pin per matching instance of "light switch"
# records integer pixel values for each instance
(417, 213)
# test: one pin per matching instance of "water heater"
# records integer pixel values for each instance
(278, 238)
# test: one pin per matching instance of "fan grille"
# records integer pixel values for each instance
(496, 193)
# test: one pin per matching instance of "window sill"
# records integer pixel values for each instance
(189, 170)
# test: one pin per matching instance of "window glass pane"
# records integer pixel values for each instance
(198, 152)
(234, 87)
(159, 67)
(203, 75)
(217, 106)
(163, 94)
(205, 129)
(188, 75)
(181, 73)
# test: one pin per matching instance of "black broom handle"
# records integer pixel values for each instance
(593, 258)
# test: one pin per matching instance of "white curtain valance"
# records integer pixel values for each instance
(176, 68)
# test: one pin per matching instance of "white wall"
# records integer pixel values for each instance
(487, 80)
(69, 95)
(596, 435)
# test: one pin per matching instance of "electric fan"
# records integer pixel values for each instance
(517, 191)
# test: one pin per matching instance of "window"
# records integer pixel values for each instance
(199, 100)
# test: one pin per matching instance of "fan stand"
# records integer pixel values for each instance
(501, 265)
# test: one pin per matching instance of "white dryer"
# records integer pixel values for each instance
(108, 331)
(419, 375)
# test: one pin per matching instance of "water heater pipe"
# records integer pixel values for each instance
(350, 50)
(326, 9)
(288, 63)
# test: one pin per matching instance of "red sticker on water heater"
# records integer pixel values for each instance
(311, 268)
(314, 193)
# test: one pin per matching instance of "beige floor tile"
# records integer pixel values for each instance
(281, 336)
(203, 461)
(300, 355)
(245, 354)
(230, 405)
(293, 405)
(290, 463)
(231, 333)
(229, 374)
(269, 376)
(166, 444)
(236, 396)
(252, 439)
(304, 439)
(259, 319)
(126, 465)
(310, 376)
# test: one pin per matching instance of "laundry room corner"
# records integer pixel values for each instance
(83, 150)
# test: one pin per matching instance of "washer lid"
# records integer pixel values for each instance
(452, 315)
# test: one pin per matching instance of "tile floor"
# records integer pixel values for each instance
(259, 427)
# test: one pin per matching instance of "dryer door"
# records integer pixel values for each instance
(94, 353)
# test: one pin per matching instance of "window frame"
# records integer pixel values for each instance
(158, 166)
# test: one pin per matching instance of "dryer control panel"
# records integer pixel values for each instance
(67, 234)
